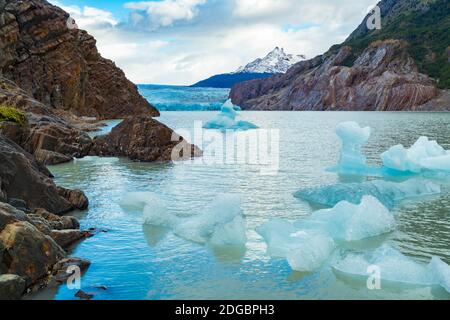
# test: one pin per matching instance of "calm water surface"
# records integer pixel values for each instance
(141, 262)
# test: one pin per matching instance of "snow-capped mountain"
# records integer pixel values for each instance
(276, 61)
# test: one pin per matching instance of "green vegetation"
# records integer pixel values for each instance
(12, 114)
(428, 35)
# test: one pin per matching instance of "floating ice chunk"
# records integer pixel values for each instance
(351, 222)
(226, 119)
(305, 250)
(424, 154)
(221, 224)
(353, 137)
(395, 268)
(388, 193)
(138, 200)
(311, 252)
(441, 272)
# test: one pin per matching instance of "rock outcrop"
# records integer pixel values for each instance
(61, 67)
(383, 78)
(142, 138)
(32, 249)
(21, 177)
(402, 67)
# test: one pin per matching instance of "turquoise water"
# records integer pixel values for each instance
(141, 262)
(178, 98)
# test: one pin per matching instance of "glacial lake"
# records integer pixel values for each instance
(137, 261)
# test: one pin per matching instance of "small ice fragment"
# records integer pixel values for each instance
(226, 119)
(351, 222)
(311, 252)
(423, 155)
(394, 267)
(353, 138)
(221, 224)
(277, 235)
(441, 272)
(388, 193)
(138, 200)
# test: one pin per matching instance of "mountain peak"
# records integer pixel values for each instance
(276, 61)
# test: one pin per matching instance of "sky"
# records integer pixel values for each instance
(180, 42)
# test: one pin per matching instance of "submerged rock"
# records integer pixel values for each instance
(143, 138)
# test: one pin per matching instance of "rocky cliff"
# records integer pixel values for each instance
(61, 67)
(403, 66)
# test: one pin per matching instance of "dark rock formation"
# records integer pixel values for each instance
(75, 197)
(11, 287)
(144, 139)
(31, 249)
(60, 67)
(23, 178)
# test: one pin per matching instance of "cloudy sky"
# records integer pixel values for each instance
(183, 41)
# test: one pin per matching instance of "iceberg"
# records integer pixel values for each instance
(308, 243)
(226, 119)
(388, 193)
(221, 224)
(395, 267)
(353, 138)
(304, 250)
(423, 155)
(351, 222)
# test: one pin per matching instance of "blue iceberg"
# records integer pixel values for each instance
(226, 119)
(395, 268)
(423, 155)
(388, 193)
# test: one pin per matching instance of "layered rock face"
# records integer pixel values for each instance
(22, 177)
(144, 139)
(62, 68)
(383, 78)
(401, 67)
(32, 249)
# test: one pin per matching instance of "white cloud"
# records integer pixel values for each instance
(89, 17)
(164, 13)
(184, 41)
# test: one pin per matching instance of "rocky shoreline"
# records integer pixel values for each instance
(55, 77)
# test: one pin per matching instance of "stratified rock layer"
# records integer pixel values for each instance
(383, 78)
(61, 67)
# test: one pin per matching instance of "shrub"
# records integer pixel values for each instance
(12, 114)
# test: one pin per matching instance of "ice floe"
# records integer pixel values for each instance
(395, 268)
(423, 155)
(309, 242)
(353, 222)
(388, 193)
(222, 223)
(226, 119)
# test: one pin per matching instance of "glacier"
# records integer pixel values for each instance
(388, 193)
(222, 223)
(424, 154)
(395, 268)
(226, 119)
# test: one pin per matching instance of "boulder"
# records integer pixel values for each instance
(22, 176)
(142, 138)
(66, 238)
(76, 197)
(11, 287)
